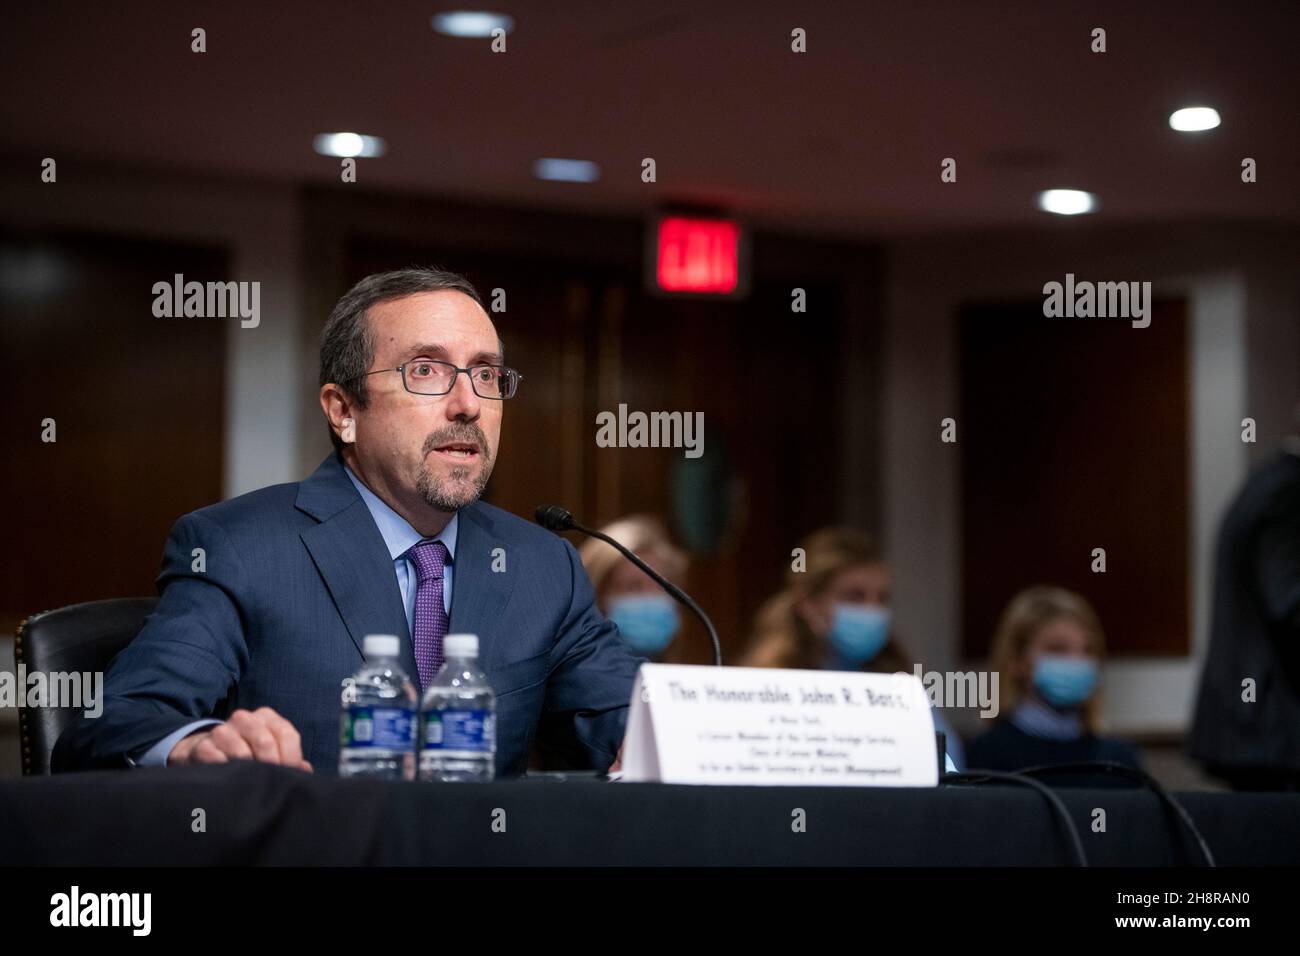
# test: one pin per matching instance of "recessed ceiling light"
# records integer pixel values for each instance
(349, 144)
(471, 23)
(1067, 202)
(1194, 119)
(566, 170)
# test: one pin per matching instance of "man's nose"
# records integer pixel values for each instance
(462, 403)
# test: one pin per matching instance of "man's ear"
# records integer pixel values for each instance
(337, 407)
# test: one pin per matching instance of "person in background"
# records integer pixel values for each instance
(1247, 726)
(647, 618)
(834, 614)
(1048, 651)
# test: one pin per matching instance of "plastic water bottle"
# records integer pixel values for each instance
(458, 718)
(378, 725)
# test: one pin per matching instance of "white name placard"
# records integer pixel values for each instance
(759, 725)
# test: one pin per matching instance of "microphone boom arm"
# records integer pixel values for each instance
(559, 519)
(664, 583)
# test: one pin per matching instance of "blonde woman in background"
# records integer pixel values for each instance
(646, 617)
(834, 614)
(1048, 652)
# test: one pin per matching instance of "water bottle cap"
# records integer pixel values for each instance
(460, 645)
(381, 645)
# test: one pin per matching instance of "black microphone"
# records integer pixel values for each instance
(557, 519)
(554, 518)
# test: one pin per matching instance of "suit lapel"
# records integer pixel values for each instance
(350, 554)
(478, 594)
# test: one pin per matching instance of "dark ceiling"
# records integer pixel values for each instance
(844, 139)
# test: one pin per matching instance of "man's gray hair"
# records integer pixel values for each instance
(347, 346)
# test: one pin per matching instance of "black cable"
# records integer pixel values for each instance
(557, 518)
(664, 583)
(1133, 773)
(980, 776)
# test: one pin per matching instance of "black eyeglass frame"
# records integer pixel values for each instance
(512, 376)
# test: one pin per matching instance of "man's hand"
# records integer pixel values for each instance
(618, 761)
(260, 734)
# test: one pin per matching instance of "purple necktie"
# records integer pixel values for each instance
(429, 558)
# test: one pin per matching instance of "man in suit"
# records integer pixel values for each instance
(265, 599)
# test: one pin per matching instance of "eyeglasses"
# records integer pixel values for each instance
(432, 377)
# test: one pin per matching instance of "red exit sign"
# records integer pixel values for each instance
(698, 256)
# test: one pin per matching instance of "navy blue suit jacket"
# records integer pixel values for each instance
(298, 574)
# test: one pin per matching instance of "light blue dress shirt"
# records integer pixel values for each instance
(399, 537)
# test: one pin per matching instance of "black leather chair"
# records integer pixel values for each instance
(81, 638)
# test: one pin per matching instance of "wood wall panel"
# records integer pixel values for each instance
(138, 403)
(1073, 435)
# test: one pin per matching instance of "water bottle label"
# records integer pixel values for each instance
(473, 730)
(380, 728)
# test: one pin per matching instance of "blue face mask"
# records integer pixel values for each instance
(859, 631)
(1065, 681)
(648, 622)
